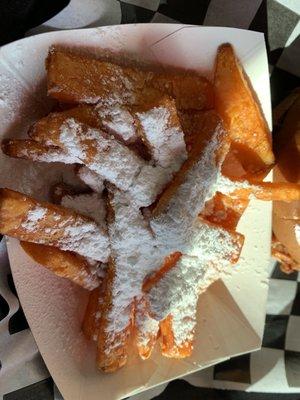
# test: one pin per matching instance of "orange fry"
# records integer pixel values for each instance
(269, 191)
(32, 150)
(238, 107)
(90, 324)
(112, 345)
(169, 347)
(190, 90)
(26, 219)
(63, 263)
(74, 78)
(146, 329)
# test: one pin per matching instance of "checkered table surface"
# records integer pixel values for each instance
(259, 375)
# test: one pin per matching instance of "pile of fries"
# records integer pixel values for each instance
(170, 161)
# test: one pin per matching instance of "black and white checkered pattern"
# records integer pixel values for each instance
(276, 367)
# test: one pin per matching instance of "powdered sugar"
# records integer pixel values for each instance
(164, 135)
(103, 155)
(119, 121)
(35, 215)
(49, 154)
(91, 179)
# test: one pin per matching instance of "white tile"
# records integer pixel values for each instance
(268, 371)
(293, 5)
(281, 296)
(292, 340)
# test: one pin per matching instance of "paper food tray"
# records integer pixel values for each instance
(231, 313)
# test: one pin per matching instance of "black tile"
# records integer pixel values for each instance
(132, 14)
(282, 83)
(3, 308)
(11, 284)
(275, 331)
(18, 16)
(296, 304)
(278, 274)
(42, 390)
(292, 368)
(186, 11)
(18, 321)
(182, 390)
(237, 369)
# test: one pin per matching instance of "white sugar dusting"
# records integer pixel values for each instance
(165, 138)
(35, 215)
(91, 179)
(119, 121)
(147, 327)
(103, 155)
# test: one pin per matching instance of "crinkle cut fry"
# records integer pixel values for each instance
(28, 220)
(65, 264)
(73, 78)
(236, 104)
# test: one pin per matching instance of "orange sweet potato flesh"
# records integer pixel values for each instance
(236, 103)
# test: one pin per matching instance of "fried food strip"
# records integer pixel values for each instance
(91, 179)
(170, 347)
(63, 263)
(90, 323)
(114, 327)
(236, 104)
(26, 219)
(73, 78)
(190, 90)
(206, 154)
(94, 148)
(280, 252)
(32, 150)
(269, 191)
(146, 329)
(224, 211)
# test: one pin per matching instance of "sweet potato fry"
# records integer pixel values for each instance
(211, 132)
(63, 263)
(190, 90)
(32, 150)
(26, 219)
(93, 148)
(113, 342)
(236, 104)
(74, 78)
(269, 191)
(146, 329)
(169, 347)
(224, 211)
(89, 324)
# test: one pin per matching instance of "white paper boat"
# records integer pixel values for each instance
(231, 312)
